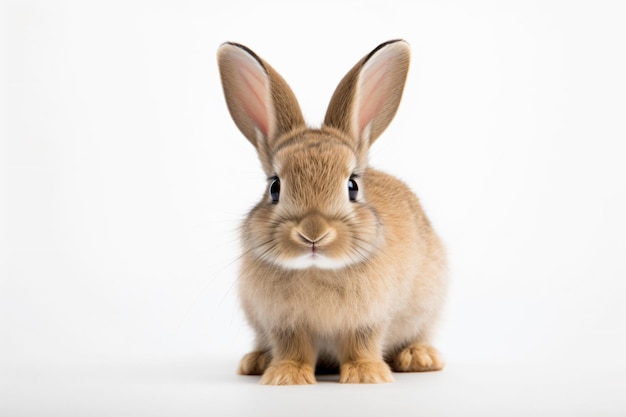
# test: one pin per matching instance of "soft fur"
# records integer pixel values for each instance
(325, 280)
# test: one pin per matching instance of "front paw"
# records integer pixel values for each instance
(288, 373)
(365, 372)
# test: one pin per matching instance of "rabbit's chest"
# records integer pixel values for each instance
(322, 303)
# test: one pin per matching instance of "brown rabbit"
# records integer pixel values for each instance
(340, 267)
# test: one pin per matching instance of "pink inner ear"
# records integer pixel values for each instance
(373, 89)
(253, 93)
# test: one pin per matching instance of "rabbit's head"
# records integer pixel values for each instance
(317, 210)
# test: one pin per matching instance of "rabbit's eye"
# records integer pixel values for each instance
(275, 190)
(353, 189)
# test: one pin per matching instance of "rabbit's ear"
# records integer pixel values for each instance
(259, 100)
(367, 98)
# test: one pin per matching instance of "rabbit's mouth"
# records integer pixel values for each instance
(311, 243)
(318, 255)
(313, 259)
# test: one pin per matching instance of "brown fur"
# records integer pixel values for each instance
(372, 296)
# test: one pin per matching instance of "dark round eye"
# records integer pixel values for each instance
(275, 190)
(353, 189)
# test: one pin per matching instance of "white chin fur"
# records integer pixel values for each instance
(312, 261)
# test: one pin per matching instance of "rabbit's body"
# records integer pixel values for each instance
(340, 264)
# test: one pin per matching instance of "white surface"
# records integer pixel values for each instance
(123, 181)
(202, 387)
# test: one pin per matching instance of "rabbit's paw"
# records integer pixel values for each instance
(365, 372)
(254, 363)
(418, 357)
(288, 373)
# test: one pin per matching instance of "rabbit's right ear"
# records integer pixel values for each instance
(258, 98)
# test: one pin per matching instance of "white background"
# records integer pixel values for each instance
(123, 180)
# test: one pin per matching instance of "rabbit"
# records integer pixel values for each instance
(340, 266)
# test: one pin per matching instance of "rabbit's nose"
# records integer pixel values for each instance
(314, 230)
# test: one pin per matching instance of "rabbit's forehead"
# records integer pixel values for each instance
(315, 159)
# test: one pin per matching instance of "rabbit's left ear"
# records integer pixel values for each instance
(367, 98)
